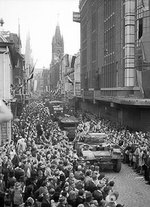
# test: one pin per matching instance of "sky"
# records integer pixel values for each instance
(39, 18)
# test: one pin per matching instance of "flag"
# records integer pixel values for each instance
(73, 61)
(30, 77)
(70, 80)
(31, 73)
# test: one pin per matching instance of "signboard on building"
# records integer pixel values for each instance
(76, 17)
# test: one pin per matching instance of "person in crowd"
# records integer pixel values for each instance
(40, 168)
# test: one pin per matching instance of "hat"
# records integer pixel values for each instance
(115, 194)
(81, 205)
(79, 167)
(111, 183)
(17, 185)
(30, 201)
(52, 191)
(81, 192)
(100, 185)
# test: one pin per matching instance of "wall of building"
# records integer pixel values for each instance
(5, 82)
(109, 69)
(5, 76)
(132, 117)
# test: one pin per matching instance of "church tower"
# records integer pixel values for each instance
(57, 45)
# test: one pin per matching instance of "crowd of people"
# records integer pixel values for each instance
(40, 168)
(135, 145)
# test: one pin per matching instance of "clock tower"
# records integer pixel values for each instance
(57, 45)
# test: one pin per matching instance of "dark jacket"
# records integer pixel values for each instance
(45, 203)
(79, 200)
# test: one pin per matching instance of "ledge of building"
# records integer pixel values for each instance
(125, 101)
(120, 98)
(121, 89)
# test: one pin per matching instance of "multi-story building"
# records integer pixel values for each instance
(115, 53)
(11, 78)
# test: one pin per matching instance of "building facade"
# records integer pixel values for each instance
(115, 60)
(6, 79)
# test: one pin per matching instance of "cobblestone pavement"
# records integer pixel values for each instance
(132, 188)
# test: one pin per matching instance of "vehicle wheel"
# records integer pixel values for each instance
(117, 166)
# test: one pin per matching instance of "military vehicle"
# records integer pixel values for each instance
(56, 108)
(97, 149)
(68, 123)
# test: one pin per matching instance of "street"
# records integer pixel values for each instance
(133, 192)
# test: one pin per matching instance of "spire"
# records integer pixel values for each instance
(18, 28)
(19, 35)
(57, 19)
(28, 50)
(57, 32)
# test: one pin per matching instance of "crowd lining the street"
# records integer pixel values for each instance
(135, 145)
(40, 168)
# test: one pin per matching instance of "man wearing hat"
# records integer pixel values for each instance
(78, 173)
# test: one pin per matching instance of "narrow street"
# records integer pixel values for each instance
(132, 188)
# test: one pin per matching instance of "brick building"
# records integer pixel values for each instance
(115, 60)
